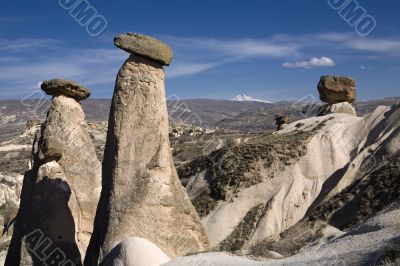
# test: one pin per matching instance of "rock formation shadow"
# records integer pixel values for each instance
(384, 124)
(327, 187)
(102, 218)
(44, 209)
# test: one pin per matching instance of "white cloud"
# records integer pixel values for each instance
(312, 63)
(188, 69)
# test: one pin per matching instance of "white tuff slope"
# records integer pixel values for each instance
(361, 246)
(336, 156)
(345, 150)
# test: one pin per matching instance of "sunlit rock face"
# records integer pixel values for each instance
(60, 193)
(142, 195)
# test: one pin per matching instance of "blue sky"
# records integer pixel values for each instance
(274, 50)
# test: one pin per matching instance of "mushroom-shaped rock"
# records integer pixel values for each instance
(60, 192)
(335, 89)
(145, 46)
(141, 193)
(68, 88)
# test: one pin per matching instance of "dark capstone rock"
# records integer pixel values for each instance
(69, 88)
(334, 89)
(145, 46)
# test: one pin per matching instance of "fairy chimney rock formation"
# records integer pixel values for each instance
(339, 93)
(142, 195)
(61, 192)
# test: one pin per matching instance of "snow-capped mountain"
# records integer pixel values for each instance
(247, 98)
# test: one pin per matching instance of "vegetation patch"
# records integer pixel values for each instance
(290, 241)
(390, 256)
(204, 204)
(242, 233)
(236, 168)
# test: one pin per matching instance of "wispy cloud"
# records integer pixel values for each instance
(196, 55)
(206, 51)
(10, 19)
(248, 48)
(7, 22)
(25, 62)
(375, 45)
(312, 63)
(23, 72)
(335, 36)
(19, 45)
(185, 69)
(340, 40)
(235, 48)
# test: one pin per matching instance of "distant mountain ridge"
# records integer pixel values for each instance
(239, 115)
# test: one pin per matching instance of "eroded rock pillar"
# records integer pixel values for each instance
(142, 195)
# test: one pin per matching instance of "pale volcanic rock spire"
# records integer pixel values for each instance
(142, 195)
(61, 192)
